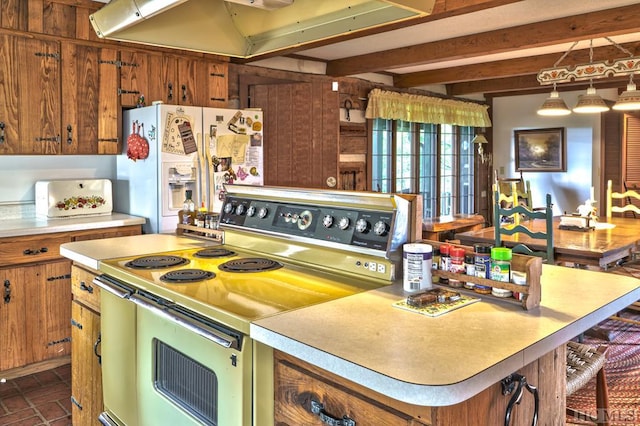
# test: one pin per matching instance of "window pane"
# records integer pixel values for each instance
(428, 178)
(466, 195)
(447, 169)
(405, 158)
(381, 156)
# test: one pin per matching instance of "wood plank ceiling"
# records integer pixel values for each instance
(501, 58)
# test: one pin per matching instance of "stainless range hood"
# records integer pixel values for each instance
(245, 28)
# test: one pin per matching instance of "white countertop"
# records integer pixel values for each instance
(90, 253)
(438, 361)
(35, 225)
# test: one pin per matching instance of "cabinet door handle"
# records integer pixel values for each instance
(86, 287)
(95, 348)
(318, 408)
(7, 291)
(69, 134)
(184, 92)
(2, 131)
(170, 94)
(29, 252)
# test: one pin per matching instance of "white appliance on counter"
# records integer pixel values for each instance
(73, 197)
(192, 148)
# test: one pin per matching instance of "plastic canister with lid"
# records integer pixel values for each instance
(417, 259)
(501, 264)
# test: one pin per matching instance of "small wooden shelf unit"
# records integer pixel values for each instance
(529, 265)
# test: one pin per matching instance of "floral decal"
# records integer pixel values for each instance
(90, 202)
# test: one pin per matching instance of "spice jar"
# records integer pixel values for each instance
(435, 264)
(483, 260)
(501, 264)
(457, 265)
(470, 268)
(445, 261)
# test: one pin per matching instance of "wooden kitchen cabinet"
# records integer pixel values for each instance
(47, 111)
(91, 116)
(195, 82)
(35, 312)
(86, 370)
(29, 96)
(299, 386)
(297, 383)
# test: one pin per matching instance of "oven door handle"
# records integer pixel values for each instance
(188, 323)
(107, 286)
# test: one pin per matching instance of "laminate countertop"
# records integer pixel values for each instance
(427, 361)
(90, 253)
(34, 225)
(440, 361)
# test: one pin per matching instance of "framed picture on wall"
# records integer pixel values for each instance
(541, 150)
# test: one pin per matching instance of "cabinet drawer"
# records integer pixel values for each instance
(83, 289)
(21, 250)
(299, 392)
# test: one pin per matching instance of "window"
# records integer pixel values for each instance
(436, 161)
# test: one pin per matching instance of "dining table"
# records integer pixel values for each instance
(600, 246)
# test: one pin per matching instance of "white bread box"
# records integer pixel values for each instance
(73, 197)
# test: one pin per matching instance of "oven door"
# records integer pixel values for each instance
(190, 370)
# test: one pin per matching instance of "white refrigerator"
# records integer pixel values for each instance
(189, 148)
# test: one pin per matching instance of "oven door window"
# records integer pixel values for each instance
(186, 379)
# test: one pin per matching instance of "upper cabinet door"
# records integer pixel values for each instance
(29, 96)
(90, 105)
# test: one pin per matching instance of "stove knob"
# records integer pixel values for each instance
(343, 223)
(251, 211)
(327, 221)
(304, 220)
(362, 226)
(380, 228)
(228, 208)
(263, 212)
(240, 210)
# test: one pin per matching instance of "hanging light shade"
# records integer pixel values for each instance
(629, 99)
(590, 103)
(554, 106)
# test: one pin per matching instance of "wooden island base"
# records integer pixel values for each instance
(298, 383)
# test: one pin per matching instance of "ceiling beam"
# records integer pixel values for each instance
(524, 85)
(603, 23)
(509, 67)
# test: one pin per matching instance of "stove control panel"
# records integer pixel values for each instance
(354, 227)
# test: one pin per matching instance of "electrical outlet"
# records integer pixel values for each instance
(501, 170)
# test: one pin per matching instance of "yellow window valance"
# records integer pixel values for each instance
(425, 109)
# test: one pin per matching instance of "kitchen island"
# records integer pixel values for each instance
(421, 362)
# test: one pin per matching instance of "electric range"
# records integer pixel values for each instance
(327, 245)
(183, 316)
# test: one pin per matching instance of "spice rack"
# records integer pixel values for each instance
(200, 232)
(529, 265)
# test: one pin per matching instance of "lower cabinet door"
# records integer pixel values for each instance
(86, 371)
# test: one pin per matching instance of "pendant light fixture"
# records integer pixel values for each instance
(629, 99)
(554, 105)
(591, 102)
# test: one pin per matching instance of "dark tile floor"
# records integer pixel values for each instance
(40, 399)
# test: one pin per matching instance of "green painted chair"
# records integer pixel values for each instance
(583, 361)
(523, 227)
